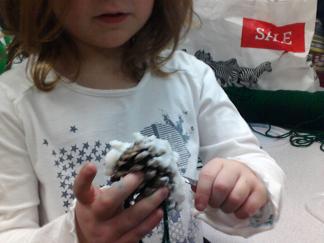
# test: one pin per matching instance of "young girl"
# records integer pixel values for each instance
(94, 71)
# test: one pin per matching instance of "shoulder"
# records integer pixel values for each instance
(195, 72)
(185, 62)
(15, 82)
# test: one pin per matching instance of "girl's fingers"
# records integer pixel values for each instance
(237, 196)
(143, 228)
(111, 199)
(83, 189)
(122, 189)
(130, 218)
(254, 202)
(223, 185)
(204, 187)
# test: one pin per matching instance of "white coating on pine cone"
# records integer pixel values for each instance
(163, 154)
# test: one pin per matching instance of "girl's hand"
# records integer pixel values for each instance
(100, 216)
(230, 186)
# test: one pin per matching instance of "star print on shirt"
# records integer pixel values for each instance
(65, 194)
(86, 145)
(66, 204)
(67, 158)
(97, 144)
(73, 129)
(62, 151)
(98, 158)
(74, 148)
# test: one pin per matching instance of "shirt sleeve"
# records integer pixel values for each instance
(225, 134)
(19, 199)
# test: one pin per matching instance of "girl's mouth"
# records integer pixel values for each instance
(114, 18)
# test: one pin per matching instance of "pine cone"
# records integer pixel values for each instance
(155, 159)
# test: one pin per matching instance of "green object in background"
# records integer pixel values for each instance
(289, 109)
(4, 42)
(301, 112)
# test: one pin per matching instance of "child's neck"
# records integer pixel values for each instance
(101, 70)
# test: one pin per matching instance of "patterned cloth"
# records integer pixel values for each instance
(317, 51)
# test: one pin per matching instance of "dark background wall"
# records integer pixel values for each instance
(320, 10)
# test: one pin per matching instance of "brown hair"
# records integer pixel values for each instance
(38, 34)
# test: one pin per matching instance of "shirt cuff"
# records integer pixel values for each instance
(273, 178)
(72, 223)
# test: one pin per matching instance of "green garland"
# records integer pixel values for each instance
(4, 42)
(296, 139)
(166, 232)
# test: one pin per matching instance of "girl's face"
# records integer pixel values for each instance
(103, 23)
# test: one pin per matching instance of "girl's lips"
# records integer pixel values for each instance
(113, 18)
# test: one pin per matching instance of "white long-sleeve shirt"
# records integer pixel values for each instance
(46, 137)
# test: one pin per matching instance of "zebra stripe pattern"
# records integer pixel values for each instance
(230, 74)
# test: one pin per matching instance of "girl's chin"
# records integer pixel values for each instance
(102, 46)
(111, 43)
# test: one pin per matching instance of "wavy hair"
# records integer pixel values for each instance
(39, 35)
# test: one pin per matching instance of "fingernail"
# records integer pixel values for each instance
(138, 174)
(200, 206)
(165, 192)
(159, 212)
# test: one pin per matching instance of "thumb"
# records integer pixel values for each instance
(83, 189)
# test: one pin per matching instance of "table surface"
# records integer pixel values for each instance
(304, 168)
